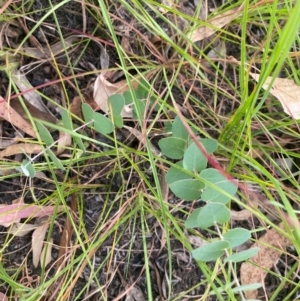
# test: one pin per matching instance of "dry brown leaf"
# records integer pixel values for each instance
(34, 112)
(31, 96)
(9, 114)
(46, 258)
(21, 229)
(21, 148)
(215, 24)
(6, 142)
(271, 246)
(286, 91)
(103, 89)
(37, 240)
(64, 140)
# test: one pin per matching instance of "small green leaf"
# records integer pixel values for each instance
(141, 105)
(187, 189)
(28, 168)
(178, 129)
(236, 236)
(102, 124)
(211, 251)
(247, 287)
(45, 135)
(128, 97)
(192, 220)
(167, 127)
(142, 90)
(216, 194)
(66, 119)
(175, 174)
(194, 159)
(242, 256)
(172, 147)
(116, 103)
(54, 159)
(210, 145)
(118, 121)
(79, 142)
(213, 213)
(88, 112)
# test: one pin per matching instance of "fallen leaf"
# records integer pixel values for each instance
(216, 23)
(37, 240)
(6, 142)
(9, 114)
(46, 254)
(34, 112)
(286, 91)
(64, 140)
(12, 213)
(271, 246)
(21, 229)
(21, 148)
(30, 93)
(103, 89)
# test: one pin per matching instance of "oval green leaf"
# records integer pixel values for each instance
(192, 220)
(116, 103)
(211, 251)
(242, 256)
(44, 133)
(128, 97)
(54, 159)
(187, 189)
(221, 186)
(213, 213)
(178, 129)
(194, 159)
(88, 112)
(237, 236)
(172, 147)
(102, 124)
(28, 168)
(175, 174)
